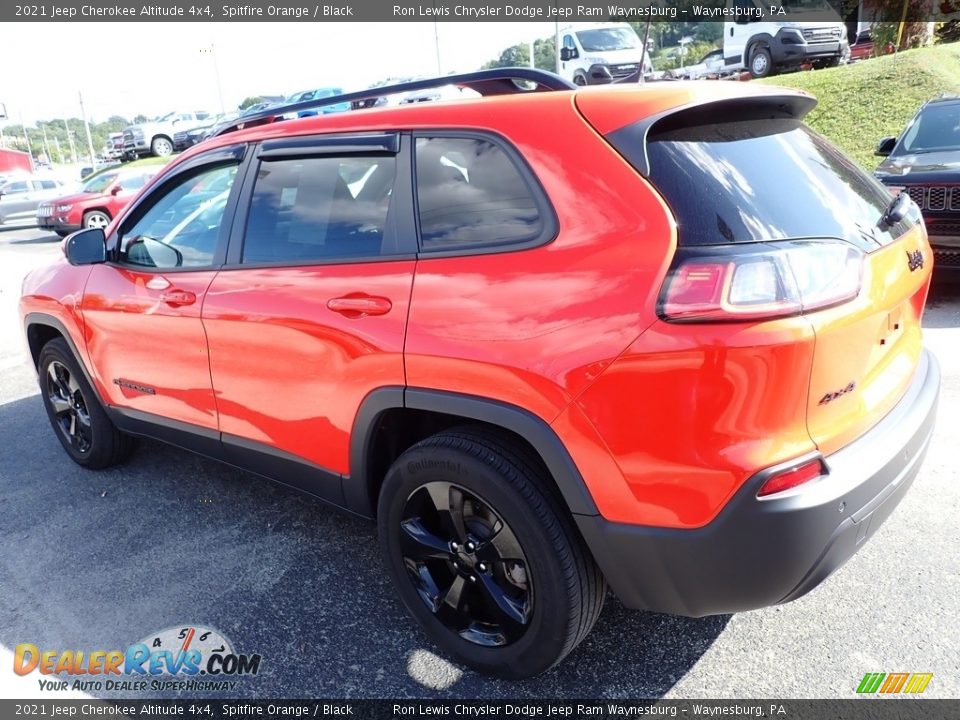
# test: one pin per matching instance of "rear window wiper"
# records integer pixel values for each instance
(896, 211)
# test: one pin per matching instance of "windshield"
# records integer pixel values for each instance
(936, 127)
(100, 183)
(606, 39)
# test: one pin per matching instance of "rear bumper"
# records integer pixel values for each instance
(758, 553)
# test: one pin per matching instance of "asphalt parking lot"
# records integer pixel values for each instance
(101, 560)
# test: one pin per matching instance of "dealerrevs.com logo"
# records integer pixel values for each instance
(190, 657)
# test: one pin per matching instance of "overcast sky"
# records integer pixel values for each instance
(152, 68)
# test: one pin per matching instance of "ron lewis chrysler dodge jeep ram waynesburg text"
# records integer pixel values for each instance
(671, 346)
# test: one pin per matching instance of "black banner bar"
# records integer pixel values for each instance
(853, 709)
(463, 11)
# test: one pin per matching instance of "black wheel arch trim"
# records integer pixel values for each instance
(37, 318)
(533, 429)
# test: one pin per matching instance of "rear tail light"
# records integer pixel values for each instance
(792, 477)
(760, 280)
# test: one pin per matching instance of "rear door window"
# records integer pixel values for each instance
(471, 194)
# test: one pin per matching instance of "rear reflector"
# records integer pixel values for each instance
(791, 478)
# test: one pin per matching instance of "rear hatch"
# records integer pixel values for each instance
(775, 221)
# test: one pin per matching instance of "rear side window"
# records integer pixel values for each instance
(319, 208)
(470, 194)
(770, 179)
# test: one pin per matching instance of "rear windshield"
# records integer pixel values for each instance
(770, 179)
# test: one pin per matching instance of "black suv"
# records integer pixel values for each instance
(925, 162)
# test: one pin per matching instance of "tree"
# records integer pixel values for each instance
(516, 56)
(249, 102)
(544, 56)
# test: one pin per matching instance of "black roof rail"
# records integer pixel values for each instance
(499, 81)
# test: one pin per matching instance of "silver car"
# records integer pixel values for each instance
(20, 197)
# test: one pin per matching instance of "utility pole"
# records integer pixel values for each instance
(46, 145)
(25, 136)
(436, 46)
(646, 54)
(533, 61)
(56, 144)
(86, 125)
(556, 44)
(216, 73)
(73, 148)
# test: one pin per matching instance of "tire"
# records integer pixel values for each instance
(62, 233)
(760, 62)
(526, 592)
(161, 146)
(580, 80)
(80, 423)
(95, 219)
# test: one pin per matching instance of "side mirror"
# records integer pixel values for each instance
(116, 190)
(148, 252)
(86, 247)
(567, 54)
(885, 146)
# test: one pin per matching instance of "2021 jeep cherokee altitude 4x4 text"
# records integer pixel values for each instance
(661, 339)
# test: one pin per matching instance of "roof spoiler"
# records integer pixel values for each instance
(707, 112)
(499, 81)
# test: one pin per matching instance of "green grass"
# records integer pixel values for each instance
(151, 160)
(860, 103)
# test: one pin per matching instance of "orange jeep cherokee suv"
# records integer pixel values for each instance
(662, 339)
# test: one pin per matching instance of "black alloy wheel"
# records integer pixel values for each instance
(484, 553)
(76, 415)
(69, 407)
(466, 564)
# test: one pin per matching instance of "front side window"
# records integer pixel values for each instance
(318, 209)
(181, 229)
(470, 194)
(15, 187)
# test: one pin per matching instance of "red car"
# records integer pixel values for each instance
(101, 199)
(862, 47)
(671, 346)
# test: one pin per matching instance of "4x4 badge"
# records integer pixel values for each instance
(914, 260)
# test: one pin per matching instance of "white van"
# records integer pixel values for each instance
(765, 48)
(599, 53)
